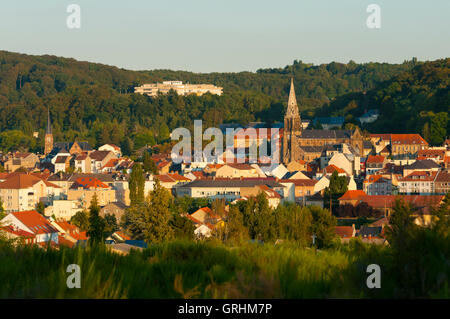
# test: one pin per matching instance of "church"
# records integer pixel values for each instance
(299, 144)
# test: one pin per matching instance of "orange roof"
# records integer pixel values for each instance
(431, 153)
(375, 159)
(89, 182)
(344, 231)
(269, 192)
(112, 163)
(178, 177)
(352, 195)
(331, 168)
(35, 222)
(216, 166)
(20, 181)
(62, 241)
(375, 179)
(419, 176)
(17, 232)
(407, 139)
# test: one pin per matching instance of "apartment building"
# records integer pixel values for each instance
(182, 89)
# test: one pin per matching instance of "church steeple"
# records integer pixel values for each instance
(292, 128)
(49, 125)
(292, 109)
(48, 143)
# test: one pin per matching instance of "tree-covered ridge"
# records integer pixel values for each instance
(413, 101)
(94, 102)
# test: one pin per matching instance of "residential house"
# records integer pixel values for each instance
(62, 209)
(374, 164)
(18, 160)
(421, 166)
(345, 233)
(22, 191)
(239, 170)
(442, 182)
(62, 163)
(32, 222)
(84, 188)
(418, 182)
(111, 148)
(407, 145)
(229, 189)
(377, 185)
(99, 160)
(117, 209)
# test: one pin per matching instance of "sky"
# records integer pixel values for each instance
(227, 35)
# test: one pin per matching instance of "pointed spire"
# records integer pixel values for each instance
(49, 125)
(292, 109)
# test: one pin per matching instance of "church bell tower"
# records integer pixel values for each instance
(292, 128)
(48, 135)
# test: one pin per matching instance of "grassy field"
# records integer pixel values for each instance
(195, 270)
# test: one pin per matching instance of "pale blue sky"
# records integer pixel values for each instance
(226, 35)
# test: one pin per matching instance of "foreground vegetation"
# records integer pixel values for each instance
(414, 265)
(183, 269)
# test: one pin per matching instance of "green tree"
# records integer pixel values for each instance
(2, 210)
(81, 220)
(148, 164)
(323, 226)
(137, 184)
(96, 223)
(151, 220)
(40, 208)
(182, 227)
(337, 188)
(438, 128)
(258, 217)
(111, 225)
(235, 231)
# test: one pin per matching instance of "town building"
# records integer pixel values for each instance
(181, 89)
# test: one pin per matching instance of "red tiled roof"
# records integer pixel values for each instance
(331, 168)
(17, 232)
(431, 153)
(112, 163)
(19, 181)
(35, 222)
(344, 231)
(375, 159)
(89, 182)
(375, 179)
(269, 192)
(62, 241)
(418, 176)
(407, 139)
(352, 195)
(178, 177)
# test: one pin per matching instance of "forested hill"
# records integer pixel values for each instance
(94, 102)
(413, 101)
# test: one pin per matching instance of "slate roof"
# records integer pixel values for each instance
(326, 134)
(424, 164)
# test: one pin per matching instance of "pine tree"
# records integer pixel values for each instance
(137, 184)
(96, 223)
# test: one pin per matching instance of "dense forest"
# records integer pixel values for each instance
(414, 101)
(95, 102)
